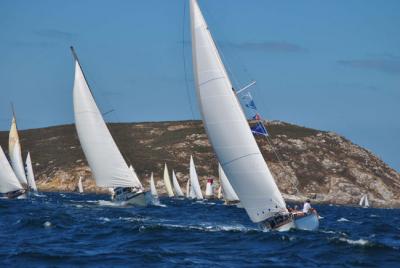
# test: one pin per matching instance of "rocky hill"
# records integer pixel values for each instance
(306, 162)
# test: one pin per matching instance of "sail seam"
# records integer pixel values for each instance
(244, 156)
(216, 78)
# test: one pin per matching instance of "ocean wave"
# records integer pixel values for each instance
(343, 220)
(203, 228)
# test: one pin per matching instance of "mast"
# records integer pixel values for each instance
(227, 127)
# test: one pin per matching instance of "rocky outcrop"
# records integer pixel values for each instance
(305, 162)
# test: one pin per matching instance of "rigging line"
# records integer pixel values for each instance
(184, 60)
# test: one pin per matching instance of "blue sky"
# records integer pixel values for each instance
(331, 65)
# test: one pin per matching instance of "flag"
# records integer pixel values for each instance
(259, 129)
(256, 117)
(251, 105)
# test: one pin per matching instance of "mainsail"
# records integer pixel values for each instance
(80, 185)
(14, 150)
(167, 182)
(29, 173)
(177, 187)
(105, 160)
(227, 190)
(8, 181)
(194, 181)
(153, 187)
(228, 129)
(362, 200)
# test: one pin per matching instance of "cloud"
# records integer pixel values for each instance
(271, 46)
(55, 34)
(389, 64)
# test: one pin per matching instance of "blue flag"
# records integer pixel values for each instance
(259, 129)
(251, 105)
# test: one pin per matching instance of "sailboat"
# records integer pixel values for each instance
(10, 186)
(29, 174)
(209, 189)
(194, 181)
(219, 194)
(229, 195)
(230, 135)
(14, 150)
(80, 185)
(167, 182)
(364, 201)
(105, 160)
(153, 189)
(177, 187)
(188, 188)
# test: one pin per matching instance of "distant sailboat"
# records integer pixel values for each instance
(29, 173)
(364, 201)
(230, 135)
(153, 189)
(14, 150)
(10, 186)
(177, 187)
(210, 189)
(167, 182)
(194, 181)
(219, 195)
(105, 160)
(228, 193)
(80, 185)
(188, 188)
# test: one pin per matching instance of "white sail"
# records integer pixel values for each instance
(153, 186)
(366, 203)
(194, 180)
(192, 193)
(177, 187)
(209, 188)
(8, 180)
(29, 173)
(362, 200)
(14, 149)
(105, 160)
(219, 192)
(80, 185)
(167, 182)
(227, 190)
(135, 177)
(188, 188)
(228, 129)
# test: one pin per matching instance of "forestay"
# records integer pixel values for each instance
(105, 160)
(228, 129)
(8, 181)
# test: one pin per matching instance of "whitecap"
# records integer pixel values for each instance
(359, 242)
(342, 220)
(47, 224)
(105, 219)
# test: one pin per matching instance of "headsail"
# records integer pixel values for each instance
(29, 173)
(194, 180)
(8, 181)
(228, 129)
(105, 160)
(153, 187)
(227, 190)
(366, 203)
(177, 187)
(14, 150)
(188, 188)
(80, 185)
(362, 200)
(135, 177)
(167, 182)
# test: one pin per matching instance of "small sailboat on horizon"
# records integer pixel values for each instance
(228, 194)
(80, 185)
(153, 188)
(177, 187)
(167, 182)
(108, 166)
(364, 201)
(195, 190)
(30, 175)
(209, 189)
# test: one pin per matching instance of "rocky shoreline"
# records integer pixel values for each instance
(306, 163)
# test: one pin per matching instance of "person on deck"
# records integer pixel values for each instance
(307, 207)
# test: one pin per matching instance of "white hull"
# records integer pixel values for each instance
(135, 199)
(307, 223)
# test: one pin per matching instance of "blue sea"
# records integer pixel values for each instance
(72, 230)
